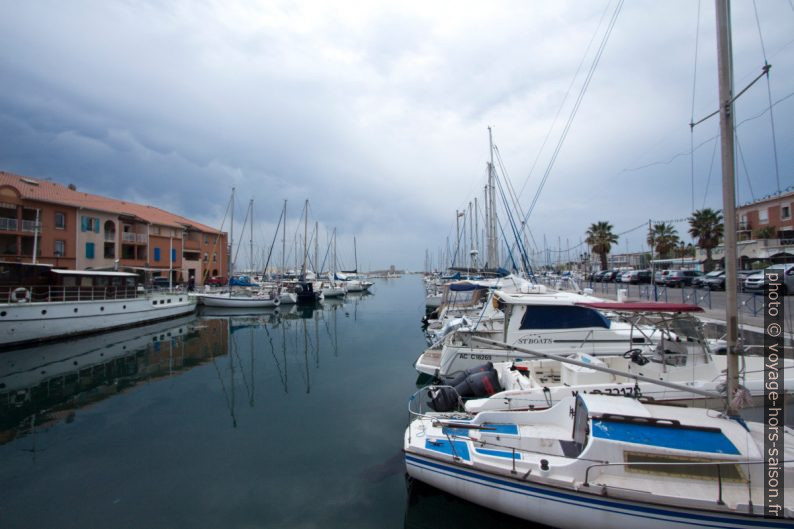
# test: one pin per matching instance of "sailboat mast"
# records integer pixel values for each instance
(355, 254)
(305, 235)
(284, 243)
(725, 78)
(316, 249)
(231, 240)
(251, 239)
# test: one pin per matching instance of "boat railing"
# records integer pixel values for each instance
(718, 472)
(48, 293)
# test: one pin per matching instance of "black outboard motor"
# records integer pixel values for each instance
(454, 380)
(477, 382)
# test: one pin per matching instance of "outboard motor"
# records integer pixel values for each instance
(477, 382)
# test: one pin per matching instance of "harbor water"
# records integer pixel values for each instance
(286, 418)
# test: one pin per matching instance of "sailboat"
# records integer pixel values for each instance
(333, 288)
(596, 461)
(307, 294)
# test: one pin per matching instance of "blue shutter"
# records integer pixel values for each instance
(89, 250)
(173, 255)
(84, 223)
(96, 225)
(157, 254)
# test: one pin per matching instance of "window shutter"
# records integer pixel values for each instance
(84, 223)
(157, 254)
(89, 250)
(173, 254)
(96, 225)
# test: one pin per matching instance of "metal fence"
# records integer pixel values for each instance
(750, 303)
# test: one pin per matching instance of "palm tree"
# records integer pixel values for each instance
(600, 238)
(662, 238)
(706, 226)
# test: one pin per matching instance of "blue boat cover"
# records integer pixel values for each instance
(465, 287)
(445, 447)
(664, 436)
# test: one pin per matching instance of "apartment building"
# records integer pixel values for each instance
(81, 231)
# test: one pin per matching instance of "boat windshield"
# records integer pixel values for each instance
(562, 317)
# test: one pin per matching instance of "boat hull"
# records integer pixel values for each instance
(567, 508)
(28, 323)
(230, 302)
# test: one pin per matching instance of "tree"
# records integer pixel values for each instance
(767, 232)
(706, 226)
(662, 238)
(600, 238)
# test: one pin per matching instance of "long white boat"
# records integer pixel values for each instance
(67, 303)
(598, 462)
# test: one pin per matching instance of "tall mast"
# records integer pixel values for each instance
(284, 243)
(305, 235)
(251, 239)
(231, 240)
(334, 254)
(492, 244)
(316, 249)
(355, 254)
(725, 78)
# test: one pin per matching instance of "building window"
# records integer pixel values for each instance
(206, 257)
(90, 224)
(214, 257)
(206, 239)
(89, 250)
(154, 230)
(60, 221)
(785, 212)
(763, 216)
(60, 248)
(157, 254)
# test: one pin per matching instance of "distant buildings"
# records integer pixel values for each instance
(82, 231)
(765, 232)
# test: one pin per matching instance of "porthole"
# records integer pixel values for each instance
(75, 309)
(43, 312)
(3, 313)
(101, 309)
(154, 302)
(124, 306)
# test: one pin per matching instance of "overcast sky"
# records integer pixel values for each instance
(377, 112)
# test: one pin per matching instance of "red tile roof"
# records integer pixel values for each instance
(47, 191)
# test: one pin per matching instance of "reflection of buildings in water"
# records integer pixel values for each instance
(43, 384)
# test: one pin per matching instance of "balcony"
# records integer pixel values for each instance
(110, 236)
(136, 238)
(29, 225)
(8, 224)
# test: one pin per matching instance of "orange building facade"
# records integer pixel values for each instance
(80, 231)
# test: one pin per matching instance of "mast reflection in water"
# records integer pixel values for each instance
(277, 419)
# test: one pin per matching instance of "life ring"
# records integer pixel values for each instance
(20, 295)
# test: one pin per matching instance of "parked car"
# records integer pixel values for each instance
(714, 280)
(681, 278)
(609, 276)
(755, 282)
(661, 276)
(626, 276)
(215, 281)
(640, 276)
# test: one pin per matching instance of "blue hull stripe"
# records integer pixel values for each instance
(689, 517)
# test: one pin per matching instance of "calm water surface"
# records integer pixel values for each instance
(288, 419)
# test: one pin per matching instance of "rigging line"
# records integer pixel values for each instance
(522, 251)
(711, 170)
(744, 165)
(575, 109)
(769, 97)
(514, 198)
(692, 114)
(565, 98)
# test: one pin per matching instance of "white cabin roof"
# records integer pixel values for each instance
(93, 273)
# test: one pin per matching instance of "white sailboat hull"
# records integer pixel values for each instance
(564, 507)
(236, 302)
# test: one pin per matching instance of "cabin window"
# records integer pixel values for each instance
(562, 317)
(60, 221)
